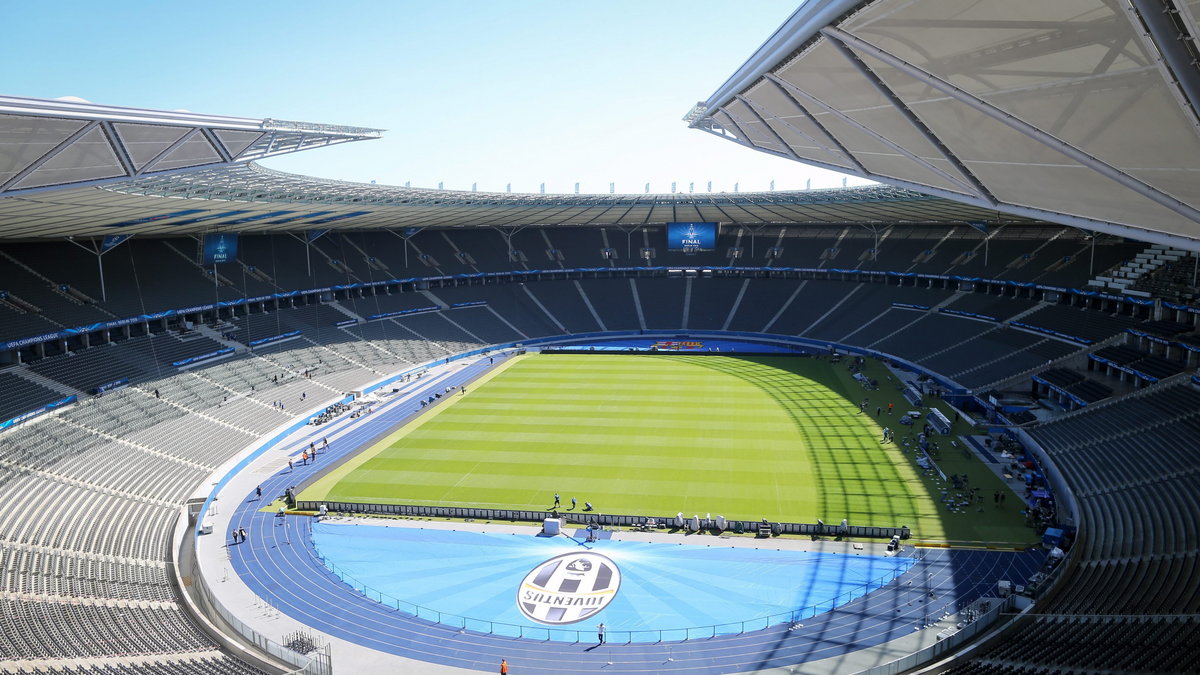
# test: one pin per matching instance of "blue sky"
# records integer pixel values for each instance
(470, 91)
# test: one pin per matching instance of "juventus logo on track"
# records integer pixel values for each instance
(568, 588)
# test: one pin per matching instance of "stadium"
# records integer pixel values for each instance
(259, 422)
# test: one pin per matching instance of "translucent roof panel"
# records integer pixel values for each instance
(1079, 111)
(236, 141)
(1080, 72)
(49, 143)
(90, 157)
(196, 151)
(144, 142)
(25, 139)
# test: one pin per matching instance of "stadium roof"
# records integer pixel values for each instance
(1082, 112)
(50, 144)
(78, 169)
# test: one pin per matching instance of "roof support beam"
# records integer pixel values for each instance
(901, 107)
(217, 145)
(118, 148)
(1171, 38)
(742, 137)
(763, 114)
(1094, 163)
(168, 150)
(791, 91)
(761, 120)
(837, 143)
(50, 154)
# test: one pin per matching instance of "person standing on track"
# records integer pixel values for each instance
(503, 667)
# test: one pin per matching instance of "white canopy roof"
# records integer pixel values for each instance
(1082, 112)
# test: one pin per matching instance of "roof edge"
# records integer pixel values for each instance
(42, 107)
(799, 28)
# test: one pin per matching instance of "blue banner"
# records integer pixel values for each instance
(292, 219)
(109, 386)
(403, 312)
(219, 248)
(1049, 331)
(476, 303)
(691, 236)
(153, 219)
(211, 216)
(909, 305)
(112, 241)
(973, 315)
(273, 338)
(256, 217)
(343, 216)
(202, 357)
(346, 322)
(34, 413)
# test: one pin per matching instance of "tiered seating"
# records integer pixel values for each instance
(1154, 366)
(187, 664)
(37, 629)
(395, 339)
(1000, 307)
(58, 573)
(871, 301)
(711, 302)
(1082, 323)
(933, 333)
(1174, 280)
(762, 300)
(613, 301)
(1054, 644)
(1130, 465)
(1088, 390)
(483, 324)
(19, 395)
(662, 302)
(42, 294)
(563, 301)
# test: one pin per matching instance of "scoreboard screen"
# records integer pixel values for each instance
(691, 236)
(219, 248)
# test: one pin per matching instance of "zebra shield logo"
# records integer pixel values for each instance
(568, 588)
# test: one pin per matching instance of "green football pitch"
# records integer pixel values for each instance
(744, 437)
